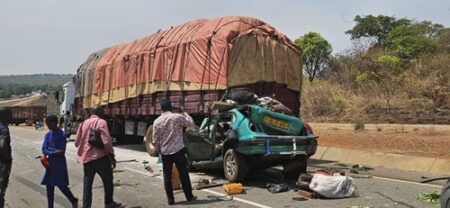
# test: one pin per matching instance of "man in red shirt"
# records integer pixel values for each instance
(96, 160)
(168, 139)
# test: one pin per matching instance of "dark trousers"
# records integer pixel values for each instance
(51, 194)
(180, 161)
(5, 170)
(103, 167)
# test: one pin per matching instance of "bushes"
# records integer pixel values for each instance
(375, 87)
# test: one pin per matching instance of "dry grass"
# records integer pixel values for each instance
(420, 94)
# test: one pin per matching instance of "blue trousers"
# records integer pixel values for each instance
(51, 194)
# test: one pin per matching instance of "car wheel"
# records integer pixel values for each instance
(151, 149)
(445, 195)
(234, 166)
(295, 167)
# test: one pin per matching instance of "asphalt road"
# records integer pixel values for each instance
(137, 187)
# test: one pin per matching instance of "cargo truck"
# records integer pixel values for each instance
(193, 65)
(27, 114)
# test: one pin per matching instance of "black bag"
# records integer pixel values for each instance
(242, 96)
(95, 138)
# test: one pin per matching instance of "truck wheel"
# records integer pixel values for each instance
(445, 195)
(295, 167)
(234, 166)
(151, 149)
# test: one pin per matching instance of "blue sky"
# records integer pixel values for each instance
(56, 36)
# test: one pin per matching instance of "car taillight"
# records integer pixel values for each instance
(308, 128)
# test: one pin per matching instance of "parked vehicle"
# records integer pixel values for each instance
(193, 64)
(28, 114)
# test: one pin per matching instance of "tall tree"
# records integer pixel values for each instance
(316, 52)
(376, 27)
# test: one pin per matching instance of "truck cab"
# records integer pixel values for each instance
(66, 98)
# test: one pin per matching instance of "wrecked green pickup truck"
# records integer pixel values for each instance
(250, 137)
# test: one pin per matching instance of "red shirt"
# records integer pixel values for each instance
(86, 152)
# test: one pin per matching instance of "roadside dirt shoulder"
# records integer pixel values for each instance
(416, 140)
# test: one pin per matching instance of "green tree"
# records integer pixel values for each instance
(316, 53)
(405, 38)
(376, 27)
(410, 41)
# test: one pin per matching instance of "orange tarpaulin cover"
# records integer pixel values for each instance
(191, 56)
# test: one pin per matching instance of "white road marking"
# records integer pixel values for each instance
(206, 190)
(409, 182)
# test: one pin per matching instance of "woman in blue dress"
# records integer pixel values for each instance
(56, 174)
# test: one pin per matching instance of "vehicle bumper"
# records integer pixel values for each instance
(279, 145)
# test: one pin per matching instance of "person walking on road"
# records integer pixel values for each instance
(96, 159)
(5, 152)
(56, 174)
(168, 139)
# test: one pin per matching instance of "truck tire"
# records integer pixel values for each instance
(445, 196)
(234, 166)
(295, 167)
(151, 149)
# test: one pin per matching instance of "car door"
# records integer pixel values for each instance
(198, 144)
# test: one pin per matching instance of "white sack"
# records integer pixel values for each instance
(334, 186)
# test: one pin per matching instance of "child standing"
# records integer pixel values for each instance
(56, 174)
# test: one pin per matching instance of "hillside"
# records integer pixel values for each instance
(402, 75)
(23, 84)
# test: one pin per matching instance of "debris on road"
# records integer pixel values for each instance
(360, 176)
(207, 183)
(124, 161)
(221, 198)
(233, 188)
(118, 171)
(341, 165)
(429, 197)
(308, 194)
(277, 188)
(334, 186)
(148, 168)
(359, 168)
(303, 181)
(435, 179)
(299, 198)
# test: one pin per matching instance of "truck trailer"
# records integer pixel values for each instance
(193, 65)
(27, 114)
